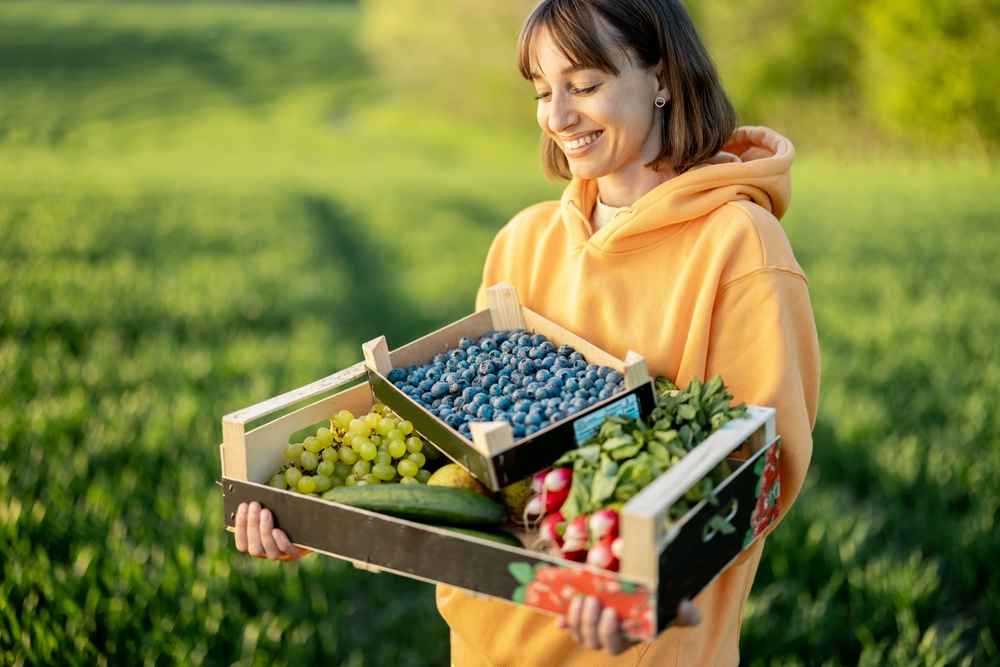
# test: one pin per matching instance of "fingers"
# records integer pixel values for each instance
(266, 536)
(608, 631)
(241, 528)
(573, 620)
(254, 547)
(687, 614)
(290, 551)
(591, 617)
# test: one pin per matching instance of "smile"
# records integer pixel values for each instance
(580, 145)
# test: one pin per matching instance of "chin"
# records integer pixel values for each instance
(586, 170)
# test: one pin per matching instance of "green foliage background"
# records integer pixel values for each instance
(206, 204)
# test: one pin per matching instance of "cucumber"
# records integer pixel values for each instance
(499, 536)
(431, 504)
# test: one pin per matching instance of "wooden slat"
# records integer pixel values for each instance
(376, 353)
(642, 517)
(272, 405)
(636, 372)
(491, 438)
(426, 347)
(505, 309)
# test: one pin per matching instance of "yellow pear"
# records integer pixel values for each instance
(456, 476)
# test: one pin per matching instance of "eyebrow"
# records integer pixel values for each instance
(567, 70)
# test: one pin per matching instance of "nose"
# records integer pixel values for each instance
(562, 115)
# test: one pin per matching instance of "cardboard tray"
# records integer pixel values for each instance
(661, 564)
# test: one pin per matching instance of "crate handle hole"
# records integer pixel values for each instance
(711, 528)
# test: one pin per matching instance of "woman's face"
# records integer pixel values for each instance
(605, 124)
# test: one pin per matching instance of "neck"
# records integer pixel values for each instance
(624, 188)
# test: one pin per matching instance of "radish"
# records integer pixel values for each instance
(578, 555)
(554, 499)
(534, 511)
(550, 529)
(604, 522)
(558, 479)
(576, 532)
(618, 547)
(538, 480)
(600, 555)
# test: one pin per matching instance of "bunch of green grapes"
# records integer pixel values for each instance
(376, 448)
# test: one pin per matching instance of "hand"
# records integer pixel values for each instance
(256, 535)
(601, 629)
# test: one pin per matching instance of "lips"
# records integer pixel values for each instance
(580, 144)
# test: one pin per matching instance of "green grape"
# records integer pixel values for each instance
(337, 480)
(383, 471)
(331, 454)
(372, 419)
(359, 427)
(343, 470)
(383, 457)
(347, 455)
(329, 494)
(343, 419)
(406, 426)
(311, 444)
(409, 480)
(309, 460)
(278, 481)
(323, 483)
(407, 468)
(327, 439)
(368, 451)
(395, 434)
(397, 449)
(326, 468)
(351, 480)
(307, 484)
(292, 452)
(361, 468)
(292, 477)
(379, 408)
(431, 452)
(418, 458)
(357, 442)
(414, 444)
(371, 479)
(322, 432)
(377, 439)
(385, 425)
(423, 475)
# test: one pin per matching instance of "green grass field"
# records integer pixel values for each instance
(205, 205)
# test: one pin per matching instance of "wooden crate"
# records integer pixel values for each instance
(492, 455)
(661, 564)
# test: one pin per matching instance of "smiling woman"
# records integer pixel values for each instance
(666, 240)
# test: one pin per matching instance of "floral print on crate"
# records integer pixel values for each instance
(768, 490)
(552, 588)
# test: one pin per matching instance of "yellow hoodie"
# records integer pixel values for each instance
(698, 277)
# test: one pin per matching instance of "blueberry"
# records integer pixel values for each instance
(536, 353)
(488, 345)
(396, 375)
(579, 365)
(605, 394)
(519, 431)
(548, 362)
(603, 370)
(599, 384)
(587, 382)
(614, 377)
(537, 339)
(518, 417)
(518, 394)
(543, 375)
(571, 384)
(487, 368)
(470, 408)
(527, 367)
(494, 390)
(564, 350)
(549, 412)
(541, 393)
(427, 397)
(484, 412)
(530, 430)
(533, 419)
(489, 380)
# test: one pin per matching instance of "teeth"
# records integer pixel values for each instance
(582, 141)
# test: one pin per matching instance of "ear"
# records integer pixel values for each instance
(661, 79)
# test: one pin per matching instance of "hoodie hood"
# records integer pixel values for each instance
(753, 166)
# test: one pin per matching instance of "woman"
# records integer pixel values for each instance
(666, 241)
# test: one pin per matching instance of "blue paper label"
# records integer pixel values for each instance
(586, 427)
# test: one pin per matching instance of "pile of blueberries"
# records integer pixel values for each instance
(512, 376)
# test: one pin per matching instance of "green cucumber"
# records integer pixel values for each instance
(499, 536)
(419, 502)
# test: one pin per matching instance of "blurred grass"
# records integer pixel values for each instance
(205, 205)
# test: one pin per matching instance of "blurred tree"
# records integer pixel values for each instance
(932, 68)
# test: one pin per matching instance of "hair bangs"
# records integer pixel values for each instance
(573, 28)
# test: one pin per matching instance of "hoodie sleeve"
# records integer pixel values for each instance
(763, 343)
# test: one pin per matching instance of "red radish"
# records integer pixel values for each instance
(604, 522)
(576, 532)
(550, 529)
(618, 547)
(558, 479)
(533, 511)
(554, 499)
(538, 480)
(600, 555)
(578, 555)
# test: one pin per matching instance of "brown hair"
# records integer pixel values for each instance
(698, 120)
